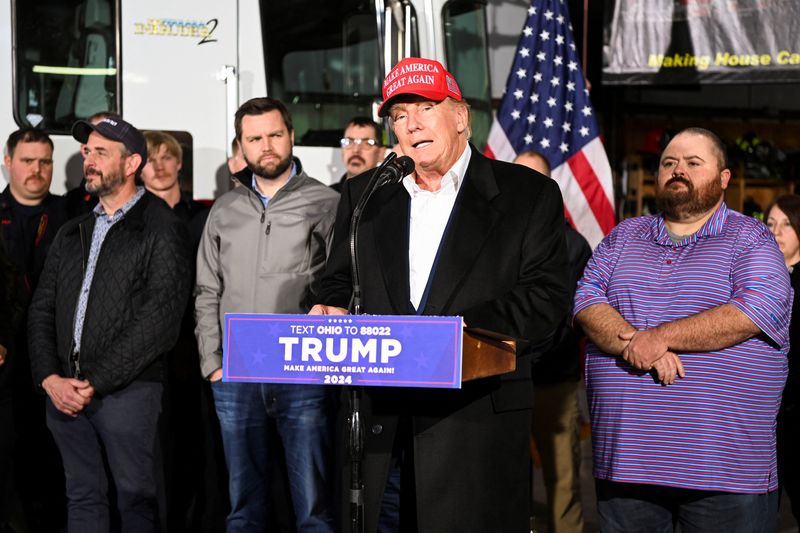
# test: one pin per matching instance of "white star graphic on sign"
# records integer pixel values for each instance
(527, 31)
(566, 127)
(545, 35)
(586, 111)
(570, 86)
(560, 40)
(568, 106)
(518, 94)
(557, 61)
(531, 10)
(548, 15)
(560, 19)
(563, 147)
(528, 139)
(551, 101)
(584, 131)
(572, 66)
(521, 73)
(524, 52)
(515, 114)
(572, 45)
(531, 118)
(534, 98)
(548, 122)
(537, 76)
(544, 143)
(555, 81)
(541, 56)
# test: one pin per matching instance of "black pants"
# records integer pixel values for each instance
(6, 448)
(788, 460)
(118, 429)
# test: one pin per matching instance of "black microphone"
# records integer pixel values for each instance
(395, 171)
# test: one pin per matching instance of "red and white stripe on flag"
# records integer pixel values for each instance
(546, 108)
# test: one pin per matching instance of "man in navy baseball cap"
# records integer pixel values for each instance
(113, 150)
(107, 311)
(115, 129)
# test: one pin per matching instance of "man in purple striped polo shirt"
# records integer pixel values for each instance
(688, 314)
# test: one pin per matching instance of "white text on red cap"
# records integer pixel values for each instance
(412, 67)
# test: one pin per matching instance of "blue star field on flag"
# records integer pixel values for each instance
(546, 106)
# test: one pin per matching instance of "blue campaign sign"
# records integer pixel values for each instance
(371, 350)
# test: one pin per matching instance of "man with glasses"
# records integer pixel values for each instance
(362, 148)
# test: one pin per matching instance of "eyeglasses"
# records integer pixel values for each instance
(349, 141)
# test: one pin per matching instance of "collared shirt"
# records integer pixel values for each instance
(715, 428)
(265, 199)
(430, 212)
(102, 224)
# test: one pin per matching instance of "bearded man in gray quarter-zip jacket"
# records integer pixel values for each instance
(262, 248)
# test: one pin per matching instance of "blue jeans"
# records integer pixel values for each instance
(120, 428)
(303, 417)
(632, 508)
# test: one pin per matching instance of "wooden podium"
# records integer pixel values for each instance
(486, 353)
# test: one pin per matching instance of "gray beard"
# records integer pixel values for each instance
(108, 184)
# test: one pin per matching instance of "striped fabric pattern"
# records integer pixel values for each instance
(714, 429)
(546, 107)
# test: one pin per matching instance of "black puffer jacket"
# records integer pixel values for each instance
(136, 301)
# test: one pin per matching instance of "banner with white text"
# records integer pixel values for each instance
(702, 41)
(368, 350)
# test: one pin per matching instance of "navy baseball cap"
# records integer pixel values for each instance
(115, 129)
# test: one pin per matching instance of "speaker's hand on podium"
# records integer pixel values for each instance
(320, 309)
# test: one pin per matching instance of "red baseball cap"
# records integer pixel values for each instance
(419, 76)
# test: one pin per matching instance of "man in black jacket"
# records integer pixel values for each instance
(30, 218)
(10, 311)
(108, 305)
(461, 236)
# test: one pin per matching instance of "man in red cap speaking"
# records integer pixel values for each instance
(462, 235)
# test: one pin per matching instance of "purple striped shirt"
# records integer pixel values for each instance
(715, 428)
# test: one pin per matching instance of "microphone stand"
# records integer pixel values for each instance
(355, 441)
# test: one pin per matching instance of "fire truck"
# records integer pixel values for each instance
(184, 66)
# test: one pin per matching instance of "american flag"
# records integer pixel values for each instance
(546, 108)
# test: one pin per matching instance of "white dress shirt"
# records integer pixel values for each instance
(430, 212)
